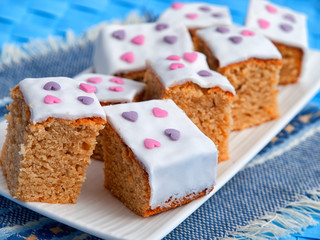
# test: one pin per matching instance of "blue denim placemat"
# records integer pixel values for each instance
(259, 189)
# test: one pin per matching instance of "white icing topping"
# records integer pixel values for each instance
(190, 72)
(176, 168)
(109, 49)
(226, 48)
(67, 105)
(129, 89)
(280, 24)
(197, 15)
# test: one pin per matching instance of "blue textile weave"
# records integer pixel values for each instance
(263, 188)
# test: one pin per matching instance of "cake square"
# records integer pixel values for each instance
(288, 31)
(111, 90)
(122, 50)
(251, 63)
(51, 133)
(196, 15)
(155, 157)
(203, 94)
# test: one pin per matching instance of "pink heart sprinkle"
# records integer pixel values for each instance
(87, 88)
(174, 58)
(94, 80)
(247, 33)
(192, 15)
(263, 23)
(190, 57)
(116, 89)
(127, 57)
(271, 9)
(177, 5)
(117, 80)
(150, 143)
(174, 66)
(158, 112)
(138, 40)
(49, 99)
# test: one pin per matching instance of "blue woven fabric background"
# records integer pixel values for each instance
(252, 193)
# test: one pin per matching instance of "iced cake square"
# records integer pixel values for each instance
(204, 95)
(288, 31)
(155, 157)
(122, 50)
(251, 63)
(51, 133)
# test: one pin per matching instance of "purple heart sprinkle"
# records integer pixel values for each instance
(217, 15)
(205, 8)
(173, 134)
(52, 86)
(222, 29)
(170, 39)
(119, 34)
(131, 116)
(204, 73)
(286, 27)
(289, 17)
(86, 100)
(161, 26)
(235, 39)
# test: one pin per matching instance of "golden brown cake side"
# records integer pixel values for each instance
(46, 162)
(292, 58)
(127, 180)
(208, 108)
(255, 82)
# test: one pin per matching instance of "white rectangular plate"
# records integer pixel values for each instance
(100, 214)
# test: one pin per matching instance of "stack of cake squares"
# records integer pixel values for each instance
(158, 107)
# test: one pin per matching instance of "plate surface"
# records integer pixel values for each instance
(100, 214)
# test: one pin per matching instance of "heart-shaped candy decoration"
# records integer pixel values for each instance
(290, 17)
(174, 66)
(247, 33)
(204, 73)
(192, 16)
(217, 15)
(161, 26)
(173, 134)
(177, 5)
(205, 8)
(271, 9)
(86, 100)
(158, 112)
(222, 29)
(235, 39)
(54, 86)
(127, 57)
(87, 88)
(190, 57)
(49, 99)
(174, 58)
(117, 80)
(138, 40)
(170, 39)
(116, 89)
(131, 116)
(286, 27)
(263, 23)
(119, 34)
(150, 143)
(94, 80)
